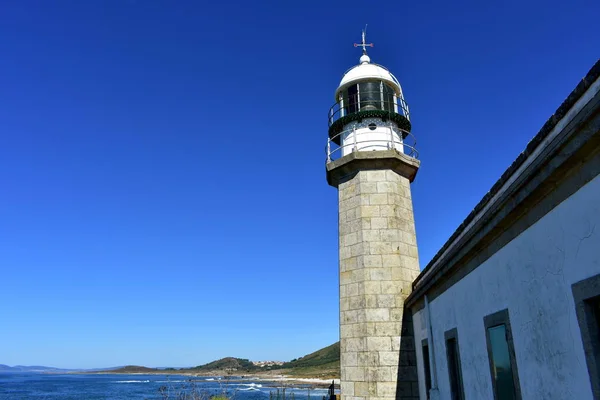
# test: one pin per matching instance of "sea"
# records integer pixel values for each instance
(24, 386)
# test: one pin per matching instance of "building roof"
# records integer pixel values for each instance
(559, 114)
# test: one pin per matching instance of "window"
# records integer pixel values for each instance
(586, 294)
(370, 95)
(351, 99)
(388, 98)
(501, 354)
(454, 370)
(425, 348)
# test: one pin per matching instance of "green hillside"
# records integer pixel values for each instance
(227, 364)
(131, 369)
(324, 363)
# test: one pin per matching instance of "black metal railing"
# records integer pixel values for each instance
(367, 101)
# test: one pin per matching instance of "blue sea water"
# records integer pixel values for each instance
(24, 386)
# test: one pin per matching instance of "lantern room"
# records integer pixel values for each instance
(369, 112)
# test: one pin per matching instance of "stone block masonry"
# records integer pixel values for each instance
(378, 263)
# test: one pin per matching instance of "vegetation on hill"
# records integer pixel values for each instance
(324, 363)
(227, 364)
(132, 369)
(326, 355)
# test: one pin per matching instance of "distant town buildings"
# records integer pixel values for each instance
(267, 363)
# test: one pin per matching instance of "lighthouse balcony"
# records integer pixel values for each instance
(368, 135)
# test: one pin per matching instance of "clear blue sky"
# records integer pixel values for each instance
(163, 196)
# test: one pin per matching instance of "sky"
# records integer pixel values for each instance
(163, 199)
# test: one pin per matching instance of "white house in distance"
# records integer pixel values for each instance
(509, 308)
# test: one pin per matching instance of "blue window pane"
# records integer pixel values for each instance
(505, 385)
(454, 369)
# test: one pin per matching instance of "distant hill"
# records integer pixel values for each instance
(324, 363)
(326, 355)
(227, 364)
(30, 368)
(132, 369)
(231, 364)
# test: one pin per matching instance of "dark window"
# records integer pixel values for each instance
(426, 367)
(586, 294)
(503, 366)
(351, 99)
(370, 96)
(597, 313)
(388, 98)
(454, 370)
(502, 370)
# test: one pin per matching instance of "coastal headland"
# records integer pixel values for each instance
(317, 369)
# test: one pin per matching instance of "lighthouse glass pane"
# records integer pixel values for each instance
(351, 99)
(388, 98)
(370, 96)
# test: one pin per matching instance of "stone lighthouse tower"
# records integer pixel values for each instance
(371, 160)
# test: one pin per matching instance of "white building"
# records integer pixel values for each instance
(509, 308)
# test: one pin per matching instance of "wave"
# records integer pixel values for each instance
(132, 381)
(301, 390)
(257, 385)
(210, 379)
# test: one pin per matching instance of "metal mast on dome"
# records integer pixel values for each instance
(364, 45)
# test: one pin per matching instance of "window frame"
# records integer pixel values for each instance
(426, 367)
(452, 334)
(495, 319)
(586, 295)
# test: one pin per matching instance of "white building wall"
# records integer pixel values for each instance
(532, 277)
(420, 331)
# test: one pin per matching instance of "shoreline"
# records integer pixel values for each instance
(274, 380)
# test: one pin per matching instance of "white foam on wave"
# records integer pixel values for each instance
(210, 379)
(312, 390)
(257, 385)
(132, 381)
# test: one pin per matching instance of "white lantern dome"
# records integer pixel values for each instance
(366, 71)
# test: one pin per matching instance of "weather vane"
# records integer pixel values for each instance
(364, 45)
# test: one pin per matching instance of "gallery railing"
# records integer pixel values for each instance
(367, 101)
(337, 146)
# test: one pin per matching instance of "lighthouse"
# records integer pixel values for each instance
(371, 159)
